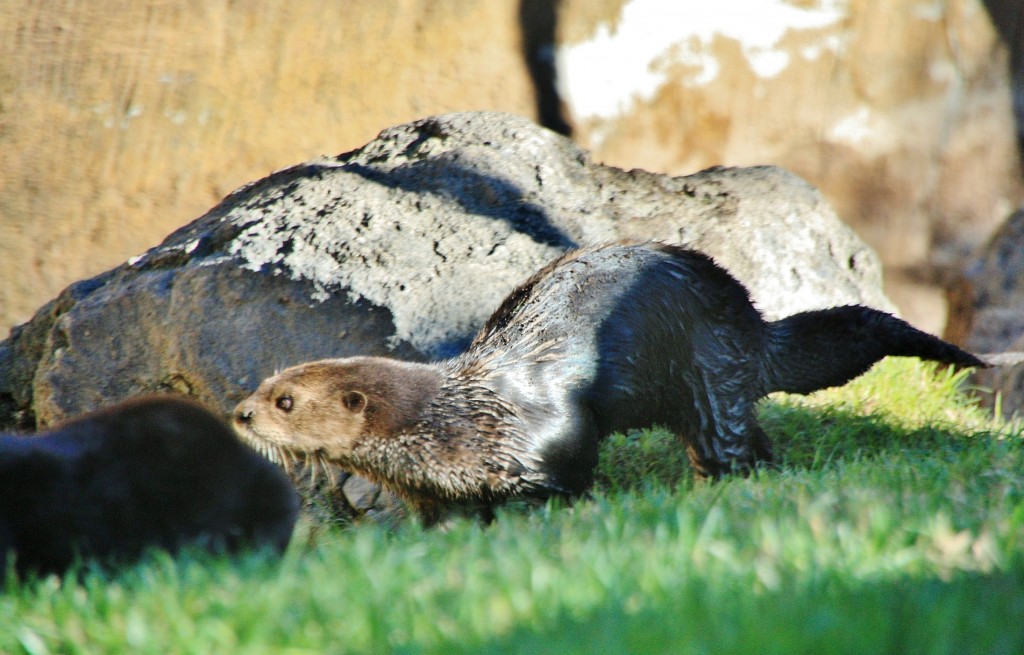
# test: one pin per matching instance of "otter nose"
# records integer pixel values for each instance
(243, 416)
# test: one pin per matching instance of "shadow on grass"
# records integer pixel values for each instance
(804, 439)
(814, 438)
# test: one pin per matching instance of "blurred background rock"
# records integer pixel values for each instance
(123, 120)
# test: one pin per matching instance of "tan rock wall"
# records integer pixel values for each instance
(121, 120)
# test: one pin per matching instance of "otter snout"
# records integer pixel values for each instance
(243, 415)
(243, 419)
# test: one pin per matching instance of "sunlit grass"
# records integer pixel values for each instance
(894, 523)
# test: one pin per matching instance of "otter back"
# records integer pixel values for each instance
(632, 335)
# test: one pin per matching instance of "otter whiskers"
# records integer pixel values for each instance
(287, 458)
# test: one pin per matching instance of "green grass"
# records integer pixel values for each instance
(893, 524)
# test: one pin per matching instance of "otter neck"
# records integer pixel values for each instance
(401, 398)
(464, 445)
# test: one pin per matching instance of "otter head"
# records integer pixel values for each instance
(325, 408)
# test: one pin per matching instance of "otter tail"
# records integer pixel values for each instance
(829, 347)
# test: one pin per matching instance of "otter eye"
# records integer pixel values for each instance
(354, 401)
(284, 403)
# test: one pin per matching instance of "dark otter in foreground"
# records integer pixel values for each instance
(601, 340)
(158, 471)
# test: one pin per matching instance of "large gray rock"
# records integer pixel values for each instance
(986, 312)
(402, 248)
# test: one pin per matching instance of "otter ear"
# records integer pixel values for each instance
(354, 401)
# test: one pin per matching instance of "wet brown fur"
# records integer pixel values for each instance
(391, 422)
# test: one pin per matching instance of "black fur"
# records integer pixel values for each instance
(151, 472)
(639, 334)
(830, 347)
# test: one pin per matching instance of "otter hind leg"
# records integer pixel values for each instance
(763, 450)
(726, 437)
(714, 454)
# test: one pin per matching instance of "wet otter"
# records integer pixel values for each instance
(601, 340)
(157, 471)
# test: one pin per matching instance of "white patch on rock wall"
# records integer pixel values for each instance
(769, 63)
(832, 43)
(871, 133)
(852, 129)
(605, 76)
(932, 11)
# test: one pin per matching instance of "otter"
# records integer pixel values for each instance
(156, 471)
(603, 339)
